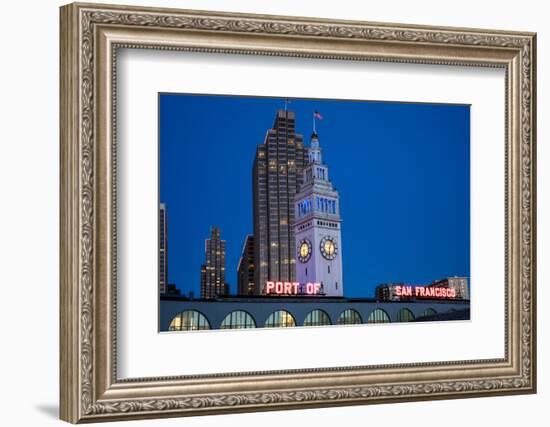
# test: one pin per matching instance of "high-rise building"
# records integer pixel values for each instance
(245, 271)
(213, 270)
(163, 249)
(317, 226)
(277, 177)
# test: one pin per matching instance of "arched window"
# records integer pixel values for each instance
(349, 317)
(238, 319)
(429, 312)
(317, 318)
(405, 315)
(189, 320)
(378, 316)
(280, 319)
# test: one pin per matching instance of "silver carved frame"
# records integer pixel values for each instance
(90, 36)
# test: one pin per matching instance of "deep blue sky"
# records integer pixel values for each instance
(402, 170)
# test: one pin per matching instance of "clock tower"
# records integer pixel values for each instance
(317, 226)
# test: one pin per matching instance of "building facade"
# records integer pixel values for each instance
(387, 292)
(232, 312)
(213, 270)
(277, 177)
(163, 249)
(458, 284)
(451, 288)
(245, 270)
(317, 226)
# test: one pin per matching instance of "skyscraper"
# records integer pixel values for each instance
(163, 249)
(317, 226)
(277, 177)
(213, 270)
(245, 271)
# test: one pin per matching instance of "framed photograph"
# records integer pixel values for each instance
(273, 254)
(268, 212)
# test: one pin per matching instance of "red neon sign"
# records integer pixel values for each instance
(292, 288)
(425, 291)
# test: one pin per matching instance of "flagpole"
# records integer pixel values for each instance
(313, 116)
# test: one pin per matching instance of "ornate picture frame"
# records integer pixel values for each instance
(90, 37)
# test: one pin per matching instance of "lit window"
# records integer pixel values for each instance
(280, 319)
(317, 318)
(429, 312)
(238, 320)
(405, 315)
(349, 317)
(378, 316)
(189, 320)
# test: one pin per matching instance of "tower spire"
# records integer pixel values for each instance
(314, 149)
(287, 101)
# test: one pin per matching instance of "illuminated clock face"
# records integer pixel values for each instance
(328, 247)
(304, 250)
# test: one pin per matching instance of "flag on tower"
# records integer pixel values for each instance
(317, 115)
